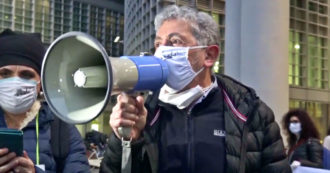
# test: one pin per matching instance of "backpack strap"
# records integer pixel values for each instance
(60, 142)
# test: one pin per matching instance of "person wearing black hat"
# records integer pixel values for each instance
(21, 56)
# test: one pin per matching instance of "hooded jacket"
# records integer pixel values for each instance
(253, 142)
(76, 161)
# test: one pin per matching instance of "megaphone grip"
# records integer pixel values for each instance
(125, 132)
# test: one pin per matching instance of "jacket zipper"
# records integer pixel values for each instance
(189, 142)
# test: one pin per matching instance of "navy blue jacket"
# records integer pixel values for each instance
(76, 160)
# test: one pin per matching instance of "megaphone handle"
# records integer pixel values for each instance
(125, 132)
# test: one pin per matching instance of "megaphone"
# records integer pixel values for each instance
(78, 77)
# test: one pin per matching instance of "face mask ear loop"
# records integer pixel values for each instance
(199, 71)
(197, 47)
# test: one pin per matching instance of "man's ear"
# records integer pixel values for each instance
(212, 54)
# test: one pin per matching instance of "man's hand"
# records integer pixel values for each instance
(129, 112)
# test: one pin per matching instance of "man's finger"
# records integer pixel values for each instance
(124, 123)
(129, 116)
(140, 104)
(125, 98)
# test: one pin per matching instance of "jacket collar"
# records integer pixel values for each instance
(45, 116)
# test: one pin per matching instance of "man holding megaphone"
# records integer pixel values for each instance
(197, 122)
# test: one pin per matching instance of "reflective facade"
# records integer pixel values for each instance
(309, 61)
(103, 19)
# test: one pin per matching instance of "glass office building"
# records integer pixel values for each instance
(308, 47)
(103, 19)
(309, 59)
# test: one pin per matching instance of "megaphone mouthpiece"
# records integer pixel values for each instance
(91, 77)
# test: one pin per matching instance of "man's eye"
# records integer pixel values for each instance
(176, 42)
(156, 45)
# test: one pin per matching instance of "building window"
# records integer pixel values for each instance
(308, 48)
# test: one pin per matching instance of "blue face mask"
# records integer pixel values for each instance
(295, 128)
(17, 95)
(180, 70)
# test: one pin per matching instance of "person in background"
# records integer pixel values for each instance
(21, 55)
(198, 121)
(303, 139)
(326, 141)
(95, 142)
(326, 151)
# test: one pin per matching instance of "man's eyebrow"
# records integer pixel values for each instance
(169, 36)
(175, 34)
(158, 38)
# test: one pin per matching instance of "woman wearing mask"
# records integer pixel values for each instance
(303, 139)
(20, 64)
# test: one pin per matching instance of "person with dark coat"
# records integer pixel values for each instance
(303, 139)
(197, 122)
(326, 151)
(21, 56)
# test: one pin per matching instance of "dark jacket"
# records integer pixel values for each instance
(308, 153)
(76, 160)
(256, 142)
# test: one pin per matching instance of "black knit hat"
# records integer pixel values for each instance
(21, 49)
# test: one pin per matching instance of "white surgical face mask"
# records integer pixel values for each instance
(17, 95)
(180, 70)
(182, 99)
(295, 128)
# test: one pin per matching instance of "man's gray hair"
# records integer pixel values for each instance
(203, 27)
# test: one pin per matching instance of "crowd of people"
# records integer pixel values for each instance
(197, 122)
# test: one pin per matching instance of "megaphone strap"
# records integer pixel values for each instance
(126, 161)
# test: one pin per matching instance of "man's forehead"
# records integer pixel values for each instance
(169, 35)
(174, 25)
